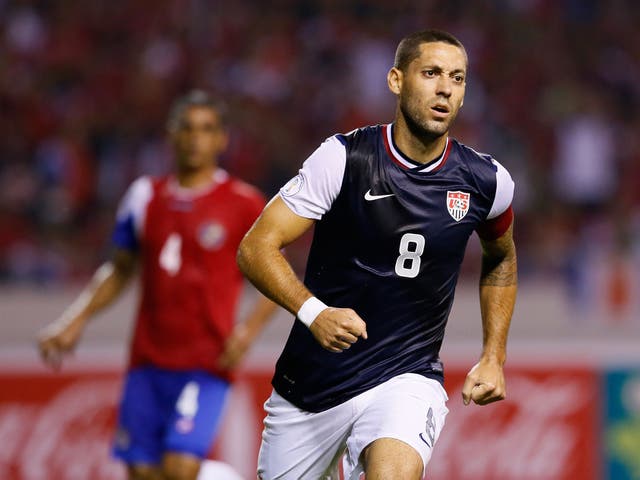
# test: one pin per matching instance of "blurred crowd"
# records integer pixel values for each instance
(553, 93)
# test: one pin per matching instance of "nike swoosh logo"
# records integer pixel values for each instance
(370, 198)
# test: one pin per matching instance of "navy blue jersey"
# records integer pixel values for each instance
(390, 247)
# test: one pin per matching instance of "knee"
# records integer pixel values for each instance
(395, 471)
(178, 473)
(143, 472)
(389, 459)
(180, 467)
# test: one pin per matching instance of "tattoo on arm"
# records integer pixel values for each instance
(499, 264)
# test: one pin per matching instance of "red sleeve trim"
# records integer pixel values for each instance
(495, 228)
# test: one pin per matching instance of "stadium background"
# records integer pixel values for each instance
(553, 93)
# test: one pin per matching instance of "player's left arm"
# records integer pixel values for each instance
(246, 332)
(485, 382)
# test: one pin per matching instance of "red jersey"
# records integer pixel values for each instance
(187, 240)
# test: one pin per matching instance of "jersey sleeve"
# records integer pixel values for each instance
(311, 193)
(500, 216)
(131, 213)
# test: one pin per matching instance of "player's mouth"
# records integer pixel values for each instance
(440, 111)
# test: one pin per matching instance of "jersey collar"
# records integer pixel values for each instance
(174, 188)
(405, 162)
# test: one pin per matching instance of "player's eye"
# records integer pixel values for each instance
(458, 78)
(429, 73)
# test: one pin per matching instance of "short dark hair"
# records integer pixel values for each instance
(409, 47)
(195, 98)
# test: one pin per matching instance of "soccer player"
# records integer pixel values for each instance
(183, 230)
(393, 207)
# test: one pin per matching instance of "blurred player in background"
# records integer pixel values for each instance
(184, 230)
(393, 207)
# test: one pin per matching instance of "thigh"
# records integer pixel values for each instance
(409, 408)
(298, 444)
(196, 410)
(138, 437)
(388, 458)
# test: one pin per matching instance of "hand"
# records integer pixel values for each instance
(336, 329)
(484, 384)
(235, 347)
(58, 339)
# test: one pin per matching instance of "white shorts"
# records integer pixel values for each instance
(297, 444)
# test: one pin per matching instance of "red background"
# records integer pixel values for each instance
(57, 426)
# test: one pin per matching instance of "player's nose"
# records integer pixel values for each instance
(443, 86)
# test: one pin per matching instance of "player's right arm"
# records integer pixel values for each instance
(261, 260)
(62, 335)
(302, 201)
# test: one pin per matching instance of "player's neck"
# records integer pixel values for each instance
(422, 149)
(195, 178)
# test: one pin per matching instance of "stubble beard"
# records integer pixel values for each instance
(420, 127)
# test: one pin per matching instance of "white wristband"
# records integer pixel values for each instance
(310, 309)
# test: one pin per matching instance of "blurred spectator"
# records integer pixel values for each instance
(586, 170)
(553, 92)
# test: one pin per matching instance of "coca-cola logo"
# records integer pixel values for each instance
(68, 438)
(64, 431)
(535, 434)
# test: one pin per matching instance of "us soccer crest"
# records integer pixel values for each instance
(458, 204)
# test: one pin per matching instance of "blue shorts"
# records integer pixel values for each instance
(167, 411)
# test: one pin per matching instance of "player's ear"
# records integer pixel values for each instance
(394, 80)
